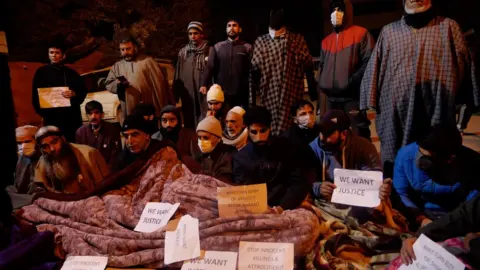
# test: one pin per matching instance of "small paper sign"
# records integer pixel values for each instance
(239, 200)
(358, 188)
(155, 216)
(85, 263)
(213, 260)
(51, 97)
(431, 255)
(183, 243)
(255, 255)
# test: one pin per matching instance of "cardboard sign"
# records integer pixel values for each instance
(213, 260)
(51, 97)
(3, 43)
(155, 216)
(240, 200)
(274, 256)
(431, 255)
(358, 188)
(183, 243)
(85, 263)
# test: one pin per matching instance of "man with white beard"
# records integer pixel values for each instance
(235, 133)
(67, 168)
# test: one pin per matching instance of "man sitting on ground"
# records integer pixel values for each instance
(171, 129)
(235, 132)
(24, 187)
(215, 158)
(304, 131)
(216, 103)
(100, 134)
(66, 167)
(338, 147)
(436, 174)
(270, 160)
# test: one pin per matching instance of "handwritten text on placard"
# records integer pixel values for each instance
(85, 263)
(183, 243)
(358, 188)
(155, 216)
(272, 256)
(234, 201)
(213, 260)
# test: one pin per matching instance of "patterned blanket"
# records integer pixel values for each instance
(103, 225)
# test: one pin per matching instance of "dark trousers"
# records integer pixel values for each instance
(358, 119)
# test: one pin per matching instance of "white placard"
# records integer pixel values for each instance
(257, 255)
(155, 216)
(51, 97)
(85, 263)
(431, 255)
(358, 188)
(213, 260)
(183, 243)
(3, 43)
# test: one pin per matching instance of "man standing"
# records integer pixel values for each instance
(56, 74)
(99, 134)
(137, 78)
(343, 59)
(67, 168)
(235, 132)
(414, 76)
(228, 65)
(171, 130)
(280, 60)
(192, 60)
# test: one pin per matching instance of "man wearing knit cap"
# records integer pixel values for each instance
(137, 78)
(171, 129)
(22, 190)
(280, 60)
(343, 59)
(215, 158)
(229, 66)
(216, 103)
(270, 160)
(412, 96)
(67, 168)
(192, 60)
(235, 132)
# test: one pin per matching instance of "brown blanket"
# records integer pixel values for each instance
(103, 225)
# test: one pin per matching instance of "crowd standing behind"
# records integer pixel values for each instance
(411, 77)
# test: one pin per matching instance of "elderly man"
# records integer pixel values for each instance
(65, 167)
(229, 65)
(414, 76)
(56, 74)
(100, 134)
(171, 130)
(137, 79)
(24, 187)
(192, 60)
(235, 132)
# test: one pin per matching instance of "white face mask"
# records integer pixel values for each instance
(337, 18)
(26, 149)
(305, 121)
(205, 146)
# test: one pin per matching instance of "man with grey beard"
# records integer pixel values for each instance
(66, 167)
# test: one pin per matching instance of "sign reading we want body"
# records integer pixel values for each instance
(357, 188)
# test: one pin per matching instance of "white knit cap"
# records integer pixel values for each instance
(215, 93)
(26, 131)
(238, 110)
(211, 125)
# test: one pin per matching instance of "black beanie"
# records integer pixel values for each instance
(442, 140)
(277, 19)
(174, 110)
(258, 115)
(337, 4)
(136, 121)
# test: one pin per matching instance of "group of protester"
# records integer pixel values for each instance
(412, 77)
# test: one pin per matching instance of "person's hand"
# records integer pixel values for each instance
(425, 222)
(67, 93)
(386, 189)
(407, 254)
(326, 190)
(469, 237)
(210, 113)
(203, 90)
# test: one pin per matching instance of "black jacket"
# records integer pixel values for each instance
(277, 166)
(217, 164)
(228, 65)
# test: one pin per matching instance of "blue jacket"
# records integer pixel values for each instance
(418, 191)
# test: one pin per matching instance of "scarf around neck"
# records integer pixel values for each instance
(199, 52)
(238, 141)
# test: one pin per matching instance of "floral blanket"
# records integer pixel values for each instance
(104, 225)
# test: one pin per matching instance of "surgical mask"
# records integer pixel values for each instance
(305, 121)
(337, 18)
(206, 146)
(27, 149)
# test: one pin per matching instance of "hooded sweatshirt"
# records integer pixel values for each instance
(344, 57)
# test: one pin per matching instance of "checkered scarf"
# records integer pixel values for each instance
(200, 53)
